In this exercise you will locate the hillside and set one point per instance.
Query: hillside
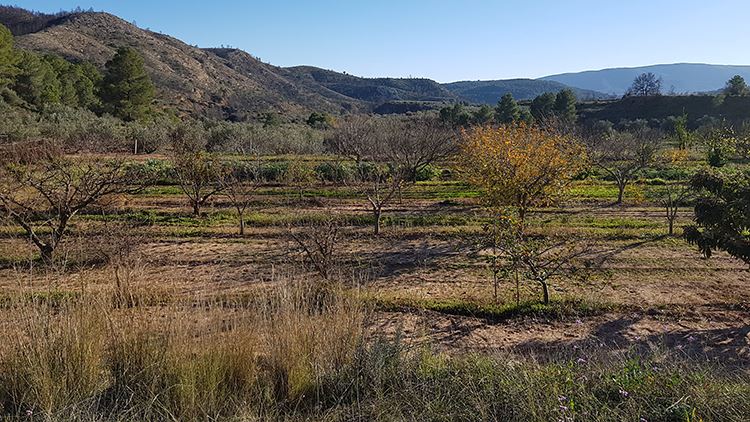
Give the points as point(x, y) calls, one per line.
point(211, 82)
point(188, 78)
point(678, 78)
point(372, 90)
point(489, 92)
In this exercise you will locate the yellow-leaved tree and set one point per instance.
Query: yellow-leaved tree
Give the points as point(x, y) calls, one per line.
point(519, 165)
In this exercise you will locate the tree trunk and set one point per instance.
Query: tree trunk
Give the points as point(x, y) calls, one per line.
point(47, 252)
point(545, 292)
point(378, 214)
point(620, 191)
point(671, 225)
point(196, 208)
point(242, 225)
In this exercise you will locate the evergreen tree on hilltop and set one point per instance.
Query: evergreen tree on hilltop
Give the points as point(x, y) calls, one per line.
point(127, 90)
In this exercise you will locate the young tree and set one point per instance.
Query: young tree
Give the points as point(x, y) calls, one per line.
point(645, 85)
point(623, 154)
point(676, 193)
point(721, 217)
point(519, 165)
point(736, 87)
point(507, 110)
point(127, 91)
point(238, 186)
point(682, 134)
point(543, 260)
point(719, 143)
point(543, 106)
point(42, 197)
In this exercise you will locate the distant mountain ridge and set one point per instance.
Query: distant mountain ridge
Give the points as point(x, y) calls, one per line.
point(489, 92)
point(232, 84)
point(680, 78)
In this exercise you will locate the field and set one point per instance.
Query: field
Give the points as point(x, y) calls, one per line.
point(654, 318)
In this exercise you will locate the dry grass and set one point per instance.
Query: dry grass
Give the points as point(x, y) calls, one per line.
point(87, 355)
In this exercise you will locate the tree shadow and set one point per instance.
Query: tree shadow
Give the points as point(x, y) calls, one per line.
point(730, 346)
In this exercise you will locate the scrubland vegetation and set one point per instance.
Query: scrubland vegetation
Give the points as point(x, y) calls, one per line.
point(472, 263)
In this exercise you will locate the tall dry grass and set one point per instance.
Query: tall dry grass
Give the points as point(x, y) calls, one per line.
point(87, 354)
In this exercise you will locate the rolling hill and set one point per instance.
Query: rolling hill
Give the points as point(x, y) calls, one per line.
point(211, 82)
point(489, 92)
point(681, 78)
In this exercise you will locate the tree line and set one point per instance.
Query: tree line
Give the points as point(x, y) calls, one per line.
point(35, 81)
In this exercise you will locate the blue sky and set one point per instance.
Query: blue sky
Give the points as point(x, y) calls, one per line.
point(450, 40)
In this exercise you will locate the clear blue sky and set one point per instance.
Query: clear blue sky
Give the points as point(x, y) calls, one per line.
point(450, 40)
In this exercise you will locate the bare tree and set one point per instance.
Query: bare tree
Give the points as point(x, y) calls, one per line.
point(623, 154)
point(543, 260)
point(198, 176)
point(353, 138)
point(238, 187)
point(645, 85)
point(43, 197)
point(675, 195)
point(318, 241)
point(417, 142)
point(380, 185)
point(389, 152)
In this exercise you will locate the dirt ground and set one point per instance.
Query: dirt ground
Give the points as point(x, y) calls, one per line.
point(665, 294)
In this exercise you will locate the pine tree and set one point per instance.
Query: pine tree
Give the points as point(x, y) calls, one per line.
point(8, 58)
point(37, 81)
point(127, 90)
point(565, 106)
point(542, 107)
point(736, 87)
point(507, 110)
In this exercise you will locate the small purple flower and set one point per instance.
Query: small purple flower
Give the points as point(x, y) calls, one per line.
point(580, 361)
point(29, 413)
point(564, 408)
point(579, 322)
point(691, 339)
point(624, 393)
point(561, 398)
point(642, 420)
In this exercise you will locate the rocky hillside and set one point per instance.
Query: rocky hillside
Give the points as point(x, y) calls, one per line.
point(212, 82)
